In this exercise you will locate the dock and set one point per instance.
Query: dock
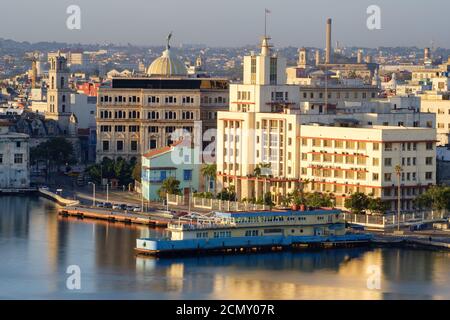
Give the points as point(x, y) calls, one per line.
point(412, 241)
point(80, 212)
point(57, 198)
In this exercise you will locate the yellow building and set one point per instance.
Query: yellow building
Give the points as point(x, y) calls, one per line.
point(343, 160)
point(138, 114)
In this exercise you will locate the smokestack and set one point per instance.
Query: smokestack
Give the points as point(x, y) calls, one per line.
point(360, 56)
point(328, 48)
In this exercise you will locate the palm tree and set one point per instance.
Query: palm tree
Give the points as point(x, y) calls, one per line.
point(303, 183)
point(398, 171)
point(169, 186)
point(209, 171)
point(258, 172)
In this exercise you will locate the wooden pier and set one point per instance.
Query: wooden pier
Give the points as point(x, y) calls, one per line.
point(114, 216)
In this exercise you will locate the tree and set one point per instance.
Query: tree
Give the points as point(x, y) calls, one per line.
point(54, 153)
point(263, 170)
point(357, 202)
point(378, 206)
point(209, 171)
point(267, 199)
point(436, 198)
point(317, 200)
point(169, 186)
point(227, 194)
point(137, 173)
point(118, 169)
point(297, 197)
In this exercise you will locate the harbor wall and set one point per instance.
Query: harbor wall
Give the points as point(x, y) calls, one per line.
point(57, 198)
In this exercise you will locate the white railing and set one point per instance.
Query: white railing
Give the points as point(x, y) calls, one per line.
point(214, 204)
point(389, 221)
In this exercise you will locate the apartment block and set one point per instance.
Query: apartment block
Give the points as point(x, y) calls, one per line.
point(345, 160)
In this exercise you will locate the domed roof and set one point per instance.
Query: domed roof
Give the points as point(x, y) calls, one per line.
point(167, 66)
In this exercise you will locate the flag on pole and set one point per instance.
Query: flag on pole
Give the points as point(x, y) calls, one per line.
point(267, 11)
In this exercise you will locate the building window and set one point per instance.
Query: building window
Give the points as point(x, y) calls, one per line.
point(388, 146)
point(18, 158)
point(388, 177)
point(429, 145)
point(388, 162)
point(119, 145)
point(18, 144)
point(133, 145)
point(152, 144)
point(105, 145)
point(187, 175)
point(428, 175)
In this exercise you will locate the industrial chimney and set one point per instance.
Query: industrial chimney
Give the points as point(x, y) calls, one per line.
point(328, 48)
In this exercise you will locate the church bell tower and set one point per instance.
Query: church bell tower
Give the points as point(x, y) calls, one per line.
point(58, 93)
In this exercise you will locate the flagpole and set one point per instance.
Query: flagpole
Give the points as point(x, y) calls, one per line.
point(265, 23)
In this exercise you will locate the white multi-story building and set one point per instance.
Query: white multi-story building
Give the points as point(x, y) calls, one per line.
point(438, 104)
point(343, 160)
point(260, 127)
point(266, 142)
point(14, 159)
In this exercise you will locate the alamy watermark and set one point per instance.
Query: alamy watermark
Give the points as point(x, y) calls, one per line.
point(374, 20)
point(374, 279)
point(73, 21)
point(73, 281)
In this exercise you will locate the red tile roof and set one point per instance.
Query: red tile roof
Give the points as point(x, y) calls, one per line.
point(162, 150)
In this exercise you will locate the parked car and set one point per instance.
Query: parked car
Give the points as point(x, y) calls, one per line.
point(101, 204)
point(181, 214)
point(108, 205)
point(116, 206)
point(137, 209)
point(123, 206)
point(130, 208)
point(45, 188)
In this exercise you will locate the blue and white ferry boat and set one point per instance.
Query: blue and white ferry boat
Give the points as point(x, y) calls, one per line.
point(253, 231)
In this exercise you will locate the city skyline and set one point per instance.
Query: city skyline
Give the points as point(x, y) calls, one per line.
point(235, 24)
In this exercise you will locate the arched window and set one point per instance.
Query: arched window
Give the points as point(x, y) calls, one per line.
point(63, 108)
point(53, 82)
point(62, 82)
point(63, 98)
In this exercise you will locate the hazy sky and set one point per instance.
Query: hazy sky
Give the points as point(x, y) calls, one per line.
point(228, 22)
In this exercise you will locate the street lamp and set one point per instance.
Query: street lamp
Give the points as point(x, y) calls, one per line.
point(107, 191)
point(398, 170)
point(93, 193)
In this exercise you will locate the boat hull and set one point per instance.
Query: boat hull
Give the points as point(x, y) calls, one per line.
point(246, 244)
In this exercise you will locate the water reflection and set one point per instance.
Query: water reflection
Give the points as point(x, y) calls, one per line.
point(37, 246)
